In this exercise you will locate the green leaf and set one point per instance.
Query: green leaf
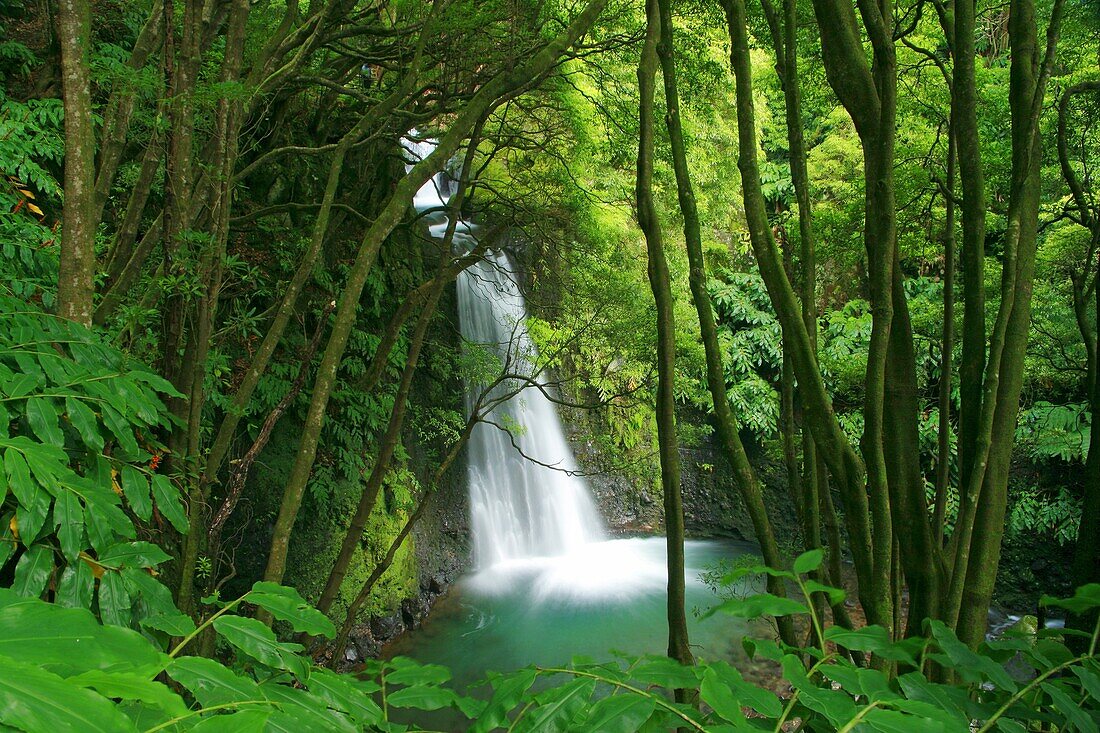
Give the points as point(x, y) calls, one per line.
point(755, 606)
point(19, 477)
point(759, 699)
point(836, 706)
point(808, 561)
point(77, 586)
point(8, 543)
point(212, 683)
point(32, 572)
point(720, 697)
point(973, 666)
point(259, 642)
point(952, 700)
point(69, 641)
point(169, 503)
point(665, 672)
point(172, 624)
point(114, 599)
point(346, 693)
point(248, 720)
point(835, 595)
point(624, 713)
point(1090, 681)
point(286, 605)
point(559, 707)
point(33, 699)
point(68, 517)
point(85, 422)
point(123, 432)
point(134, 555)
point(1084, 599)
point(507, 692)
point(421, 697)
point(299, 710)
point(127, 686)
point(43, 419)
point(875, 640)
point(136, 488)
point(1071, 709)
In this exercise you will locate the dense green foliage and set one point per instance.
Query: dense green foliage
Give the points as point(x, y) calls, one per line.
point(230, 365)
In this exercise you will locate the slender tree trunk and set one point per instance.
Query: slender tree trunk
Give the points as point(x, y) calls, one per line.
point(947, 347)
point(1086, 559)
point(964, 122)
point(977, 558)
point(659, 281)
point(225, 144)
point(747, 483)
point(120, 109)
point(844, 465)
point(76, 269)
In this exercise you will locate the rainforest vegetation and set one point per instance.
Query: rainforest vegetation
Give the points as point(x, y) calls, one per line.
point(854, 246)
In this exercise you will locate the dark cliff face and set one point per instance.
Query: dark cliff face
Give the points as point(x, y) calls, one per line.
point(629, 494)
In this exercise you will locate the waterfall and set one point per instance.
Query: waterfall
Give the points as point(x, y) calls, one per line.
point(526, 500)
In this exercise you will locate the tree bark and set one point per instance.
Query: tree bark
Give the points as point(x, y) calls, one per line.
point(76, 269)
point(747, 483)
point(659, 282)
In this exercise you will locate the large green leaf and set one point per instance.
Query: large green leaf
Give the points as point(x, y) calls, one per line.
point(348, 694)
point(302, 711)
point(69, 641)
point(168, 502)
point(286, 605)
point(32, 572)
point(507, 692)
point(808, 561)
point(133, 555)
point(43, 419)
point(114, 599)
point(33, 699)
point(77, 586)
point(557, 708)
point(68, 518)
point(665, 672)
point(1085, 598)
point(760, 604)
point(136, 488)
point(421, 697)
point(128, 686)
point(257, 640)
point(875, 640)
point(212, 683)
point(85, 422)
point(623, 713)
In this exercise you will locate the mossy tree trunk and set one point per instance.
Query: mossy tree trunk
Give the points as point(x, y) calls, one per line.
point(660, 283)
point(747, 483)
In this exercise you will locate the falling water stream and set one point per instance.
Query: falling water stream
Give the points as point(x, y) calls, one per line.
point(548, 583)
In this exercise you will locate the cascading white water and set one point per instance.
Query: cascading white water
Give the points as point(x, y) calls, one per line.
point(526, 500)
point(533, 520)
